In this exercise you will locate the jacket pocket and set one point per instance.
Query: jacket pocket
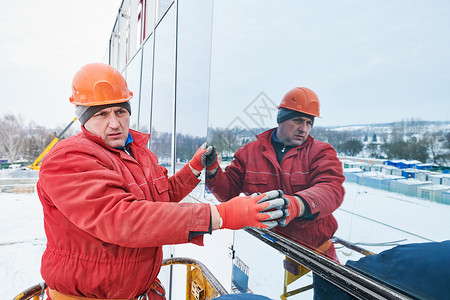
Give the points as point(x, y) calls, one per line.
point(299, 181)
point(257, 178)
point(161, 184)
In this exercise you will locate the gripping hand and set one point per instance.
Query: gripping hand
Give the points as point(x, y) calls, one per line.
point(291, 209)
point(259, 211)
point(206, 156)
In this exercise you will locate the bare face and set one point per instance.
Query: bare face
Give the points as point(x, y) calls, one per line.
point(294, 132)
point(111, 124)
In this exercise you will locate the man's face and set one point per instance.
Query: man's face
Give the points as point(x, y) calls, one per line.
point(294, 132)
point(111, 124)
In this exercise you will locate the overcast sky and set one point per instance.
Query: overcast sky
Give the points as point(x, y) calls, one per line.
point(369, 62)
point(43, 43)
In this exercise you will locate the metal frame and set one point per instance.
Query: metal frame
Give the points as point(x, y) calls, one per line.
point(349, 280)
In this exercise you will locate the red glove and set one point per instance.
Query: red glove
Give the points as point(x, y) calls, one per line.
point(291, 210)
point(206, 156)
point(251, 211)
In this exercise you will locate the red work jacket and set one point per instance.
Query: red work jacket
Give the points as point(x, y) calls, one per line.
point(311, 171)
point(107, 214)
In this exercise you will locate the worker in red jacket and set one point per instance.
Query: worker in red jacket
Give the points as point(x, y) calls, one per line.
point(109, 207)
point(287, 158)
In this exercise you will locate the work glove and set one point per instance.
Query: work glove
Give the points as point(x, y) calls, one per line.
point(261, 211)
point(211, 161)
point(291, 209)
point(206, 156)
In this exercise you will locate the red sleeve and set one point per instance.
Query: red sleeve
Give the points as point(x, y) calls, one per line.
point(326, 192)
point(228, 184)
point(97, 200)
point(182, 183)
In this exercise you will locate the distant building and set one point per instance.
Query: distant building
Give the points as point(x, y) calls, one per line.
point(402, 163)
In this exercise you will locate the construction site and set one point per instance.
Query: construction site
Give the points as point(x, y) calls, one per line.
point(210, 156)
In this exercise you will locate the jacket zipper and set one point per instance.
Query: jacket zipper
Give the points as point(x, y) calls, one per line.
point(126, 151)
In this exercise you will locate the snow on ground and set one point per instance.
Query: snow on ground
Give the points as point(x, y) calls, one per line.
point(366, 216)
point(22, 242)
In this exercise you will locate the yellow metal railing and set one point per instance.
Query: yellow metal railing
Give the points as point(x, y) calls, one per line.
point(201, 284)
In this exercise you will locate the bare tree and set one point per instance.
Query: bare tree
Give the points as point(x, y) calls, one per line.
point(187, 145)
point(373, 149)
point(412, 149)
point(36, 140)
point(397, 132)
point(21, 141)
point(160, 144)
point(227, 141)
point(438, 148)
point(12, 135)
point(350, 147)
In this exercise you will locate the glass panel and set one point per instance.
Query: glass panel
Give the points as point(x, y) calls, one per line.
point(135, 28)
point(140, 26)
point(360, 60)
point(163, 6)
point(114, 47)
point(124, 38)
point(133, 77)
point(162, 111)
point(147, 84)
point(194, 47)
point(149, 17)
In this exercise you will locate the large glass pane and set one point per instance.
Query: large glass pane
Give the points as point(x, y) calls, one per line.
point(147, 85)
point(149, 17)
point(133, 77)
point(162, 110)
point(193, 66)
point(368, 63)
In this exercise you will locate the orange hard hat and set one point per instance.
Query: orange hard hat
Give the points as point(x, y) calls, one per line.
point(303, 100)
point(99, 84)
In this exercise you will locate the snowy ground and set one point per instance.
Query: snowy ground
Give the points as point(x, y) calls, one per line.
point(369, 216)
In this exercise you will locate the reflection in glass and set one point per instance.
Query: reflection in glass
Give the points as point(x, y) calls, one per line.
point(123, 22)
point(114, 47)
point(149, 17)
point(229, 132)
point(163, 6)
point(371, 56)
point(133, 77)
point(162, 109)
point(193, 65)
